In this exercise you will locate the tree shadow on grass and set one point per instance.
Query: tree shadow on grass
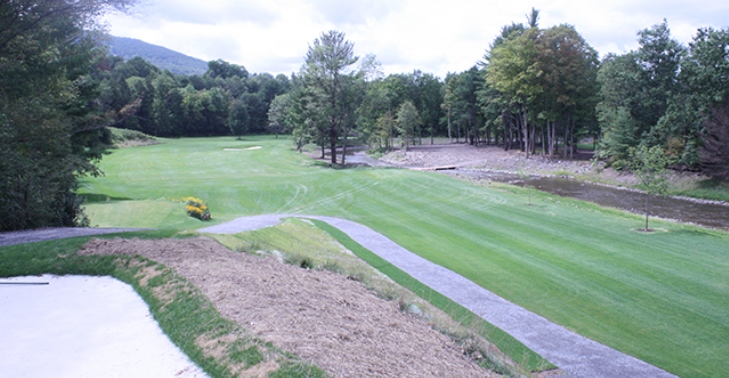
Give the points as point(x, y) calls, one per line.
point(98, 197)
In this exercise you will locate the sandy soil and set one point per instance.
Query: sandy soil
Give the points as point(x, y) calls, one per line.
point(335, 323)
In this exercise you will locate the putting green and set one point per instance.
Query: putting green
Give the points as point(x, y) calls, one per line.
point(661, 297)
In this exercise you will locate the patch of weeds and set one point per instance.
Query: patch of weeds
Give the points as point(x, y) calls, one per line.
point(562, 173)
point(157, 281)
point(333, 267)
point(306, 263)
point(298, 370)
point(375, 154)
point(241, 353)
point(412, 309)
point(474, 351)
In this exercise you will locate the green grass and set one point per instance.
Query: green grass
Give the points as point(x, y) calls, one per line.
point(184, 314)
point(506, 343)
point(711, 189)
point(661, 297)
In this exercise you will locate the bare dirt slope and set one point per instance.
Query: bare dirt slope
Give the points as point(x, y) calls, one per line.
point(325, 318)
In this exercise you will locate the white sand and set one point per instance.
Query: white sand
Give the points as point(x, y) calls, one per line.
point(80, 326)
point(243, 149)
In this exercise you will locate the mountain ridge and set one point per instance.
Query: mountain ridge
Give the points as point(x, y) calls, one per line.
point(162, 57)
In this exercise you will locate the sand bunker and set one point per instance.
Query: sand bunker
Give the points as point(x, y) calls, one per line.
point(80, 326)
point(243, 149)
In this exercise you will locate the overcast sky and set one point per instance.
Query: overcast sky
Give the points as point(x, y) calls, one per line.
point(433, 36)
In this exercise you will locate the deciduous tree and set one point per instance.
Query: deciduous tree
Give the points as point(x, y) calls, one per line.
point(649, 165)
point(408, 122)
point(326, 73)
point(52, 128)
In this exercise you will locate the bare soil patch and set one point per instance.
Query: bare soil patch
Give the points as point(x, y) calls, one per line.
point(325, 318)
point(486, 157)
point(580, 166)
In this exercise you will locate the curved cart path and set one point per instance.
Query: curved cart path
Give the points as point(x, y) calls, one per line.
point(574, 354)
point(30, 236)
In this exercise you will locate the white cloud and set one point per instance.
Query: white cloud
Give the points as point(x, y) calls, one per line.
point(432, 36)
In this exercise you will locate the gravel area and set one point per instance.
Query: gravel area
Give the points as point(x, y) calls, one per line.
point(492, 157)
point(464, 156)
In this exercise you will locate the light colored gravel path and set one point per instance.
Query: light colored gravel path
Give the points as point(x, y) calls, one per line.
point(29, 236)
point(576, 355)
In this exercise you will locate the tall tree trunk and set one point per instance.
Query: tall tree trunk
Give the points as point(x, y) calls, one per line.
point(573, 142)
point(533, 138)
point(647, 198)
point(450, 138)
point(505, 125)
point(344, 147)
point(333, 144)
point(552, 139)
point(525, 131)
point(566, 133)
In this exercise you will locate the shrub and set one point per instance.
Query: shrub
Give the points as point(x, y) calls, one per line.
point(196, 208)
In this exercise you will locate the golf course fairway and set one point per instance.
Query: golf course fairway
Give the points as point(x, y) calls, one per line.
point(662, 297)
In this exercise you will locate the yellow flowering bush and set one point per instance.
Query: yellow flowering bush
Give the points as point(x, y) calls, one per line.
point(196, 208)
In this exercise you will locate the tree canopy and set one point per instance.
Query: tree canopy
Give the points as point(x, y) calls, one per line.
point(51, 125)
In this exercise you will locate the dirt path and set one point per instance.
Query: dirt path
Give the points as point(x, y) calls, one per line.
point(574, 354)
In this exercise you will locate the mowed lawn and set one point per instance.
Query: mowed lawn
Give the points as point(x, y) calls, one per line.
point(661, 297)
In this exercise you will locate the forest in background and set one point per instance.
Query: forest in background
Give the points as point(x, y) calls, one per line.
point(540, 90)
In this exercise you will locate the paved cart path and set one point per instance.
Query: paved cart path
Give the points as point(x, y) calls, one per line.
point(30, 236)
point(576, 355)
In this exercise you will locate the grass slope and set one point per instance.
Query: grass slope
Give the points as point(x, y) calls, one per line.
point(661, 297)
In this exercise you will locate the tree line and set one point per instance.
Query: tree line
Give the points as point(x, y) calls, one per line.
point(226, 100)
point(52, 129)
point(540, 90)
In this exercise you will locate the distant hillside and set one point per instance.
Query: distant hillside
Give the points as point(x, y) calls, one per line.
point(161, 57)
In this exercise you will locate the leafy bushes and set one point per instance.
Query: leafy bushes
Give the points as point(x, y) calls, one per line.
point(196, 208)
point(127, 138)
